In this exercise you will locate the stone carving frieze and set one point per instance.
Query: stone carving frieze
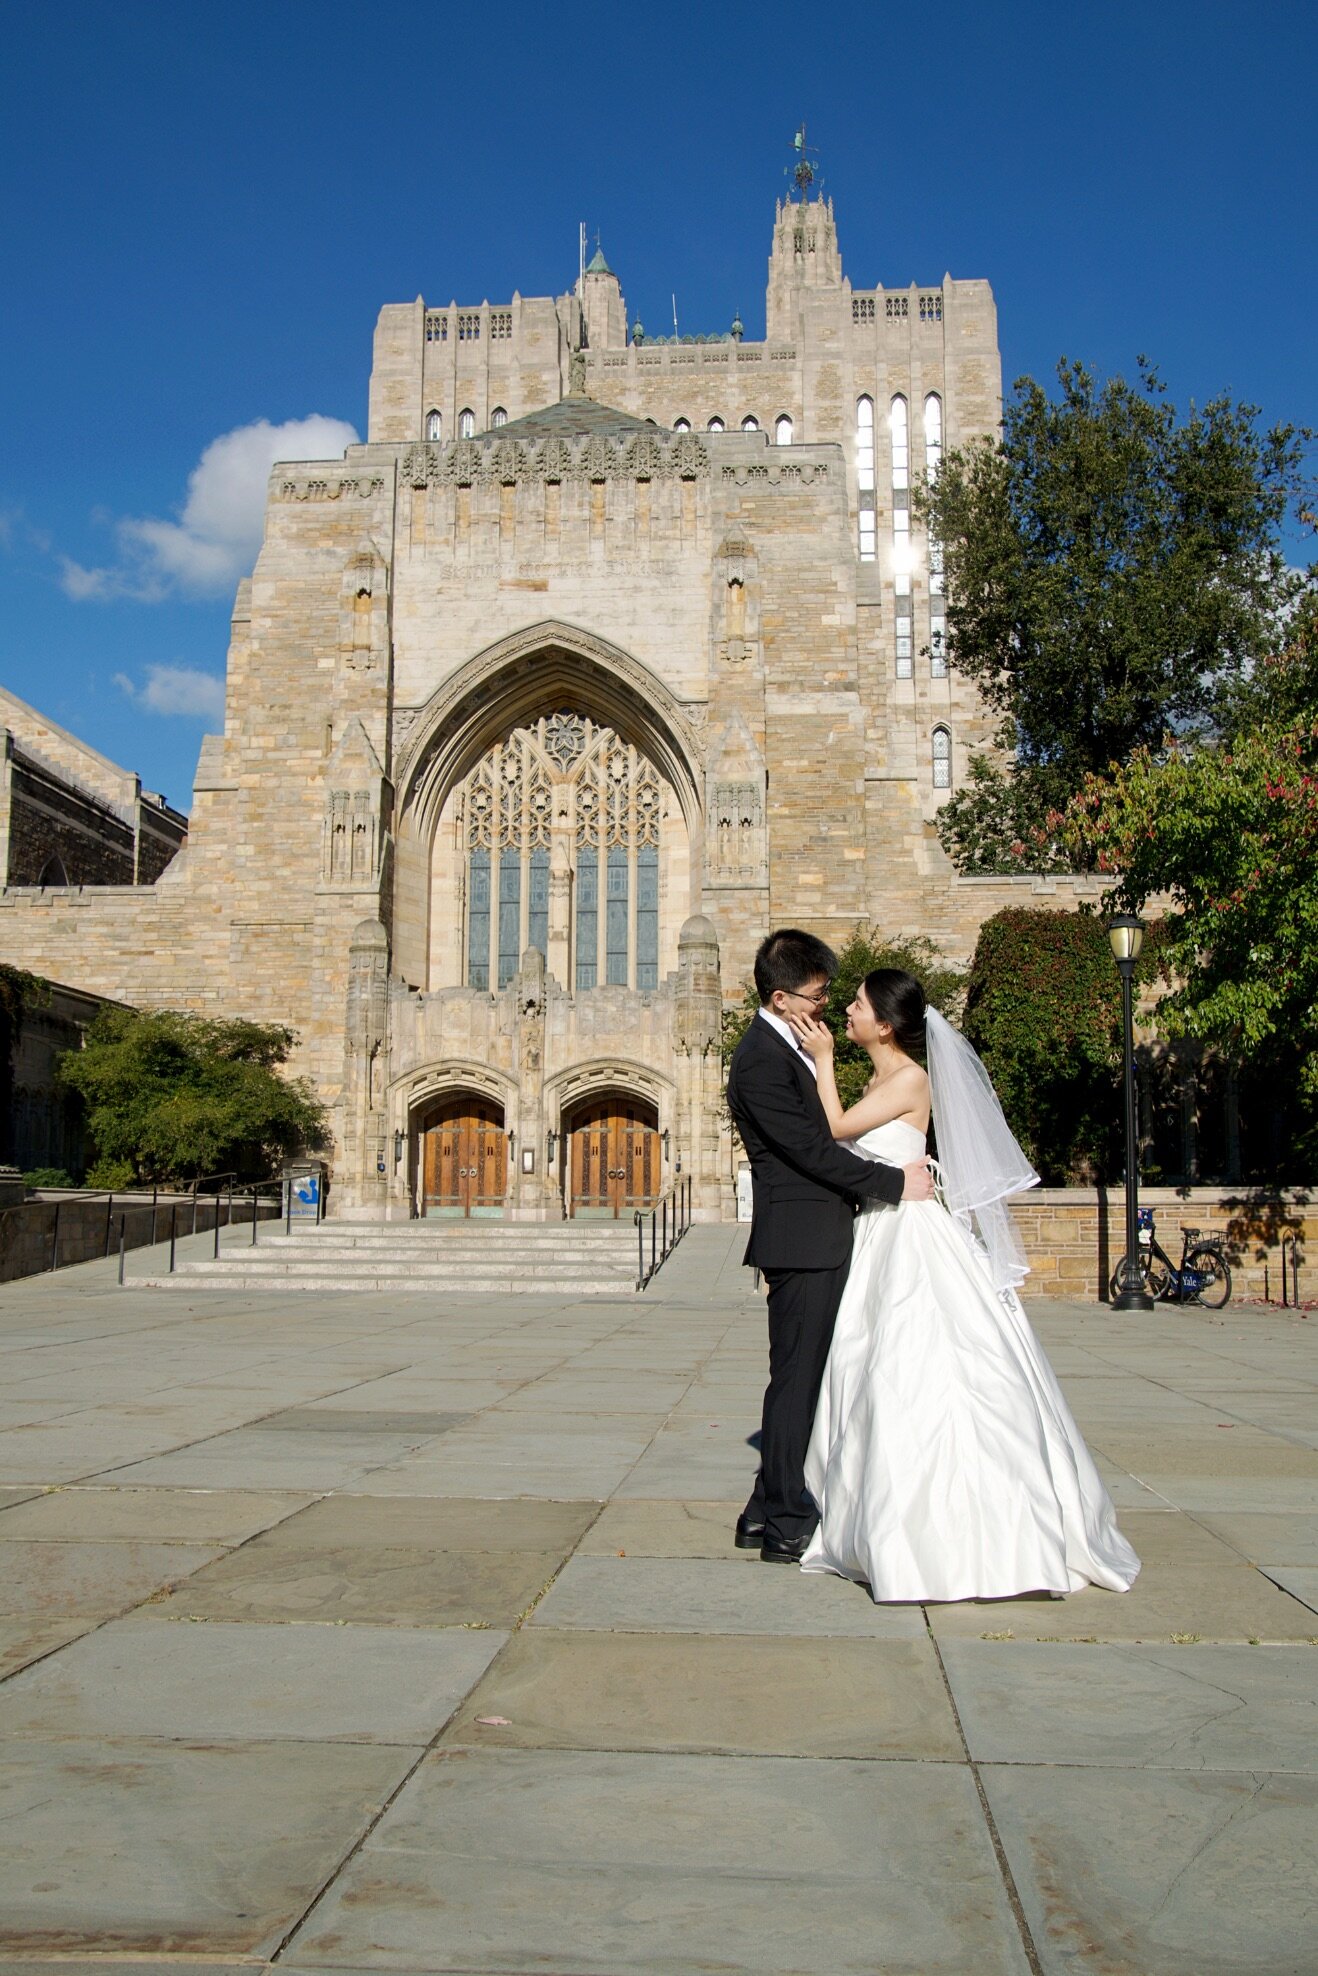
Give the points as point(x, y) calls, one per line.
point(345, 488)
point(777, 473)
point(493, 460)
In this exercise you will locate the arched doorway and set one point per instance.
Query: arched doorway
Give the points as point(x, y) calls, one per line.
point(463, 1163)
point(613, 1156)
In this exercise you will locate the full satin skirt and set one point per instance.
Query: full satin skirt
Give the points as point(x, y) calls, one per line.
point(944, 1459)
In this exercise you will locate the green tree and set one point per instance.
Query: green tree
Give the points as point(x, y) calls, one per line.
point(1230, 830)
point(172, 1096)
point(1043, 1009)
point(860, 955)
point(1111, 568)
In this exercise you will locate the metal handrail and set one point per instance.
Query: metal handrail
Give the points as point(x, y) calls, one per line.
point(669, 1219)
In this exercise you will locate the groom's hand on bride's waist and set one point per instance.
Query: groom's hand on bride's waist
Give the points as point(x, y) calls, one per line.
point(919, 1181)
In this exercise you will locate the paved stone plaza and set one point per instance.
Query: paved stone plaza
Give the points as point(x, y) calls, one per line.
point(370, 1633)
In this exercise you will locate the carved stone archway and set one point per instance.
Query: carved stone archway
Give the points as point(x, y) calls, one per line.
point(532, 673)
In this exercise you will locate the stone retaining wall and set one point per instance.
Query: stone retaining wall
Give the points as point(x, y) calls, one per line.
point(27, 1233)
point(1075, 1236)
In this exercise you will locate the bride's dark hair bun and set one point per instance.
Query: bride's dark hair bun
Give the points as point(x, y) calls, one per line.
point(898, 998)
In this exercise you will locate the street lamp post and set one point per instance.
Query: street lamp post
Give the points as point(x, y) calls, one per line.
point(1126, 936)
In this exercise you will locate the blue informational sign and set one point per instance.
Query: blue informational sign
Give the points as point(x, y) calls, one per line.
point(306, 1197)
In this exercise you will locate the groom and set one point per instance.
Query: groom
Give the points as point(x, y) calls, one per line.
point(805, 1189)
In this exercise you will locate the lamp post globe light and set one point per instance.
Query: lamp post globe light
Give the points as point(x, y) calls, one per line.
point(1126, 936)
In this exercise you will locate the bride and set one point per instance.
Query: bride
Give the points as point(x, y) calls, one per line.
point(944, 1459)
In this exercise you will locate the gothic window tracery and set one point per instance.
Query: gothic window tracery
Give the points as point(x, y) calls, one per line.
point(466, 423)
point(434, 427)
point(563, 782)
point(942, 758)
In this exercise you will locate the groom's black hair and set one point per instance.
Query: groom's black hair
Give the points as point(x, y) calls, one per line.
point(788, 959)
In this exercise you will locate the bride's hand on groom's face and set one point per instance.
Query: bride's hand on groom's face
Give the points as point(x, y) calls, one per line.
point(815, 1038)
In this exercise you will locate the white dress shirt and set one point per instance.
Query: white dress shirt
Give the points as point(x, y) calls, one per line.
point(788, 1035)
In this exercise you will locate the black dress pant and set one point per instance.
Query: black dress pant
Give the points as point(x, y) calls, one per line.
point(803, 1305)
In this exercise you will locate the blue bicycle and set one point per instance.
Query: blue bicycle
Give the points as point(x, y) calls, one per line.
point(1204, 1275)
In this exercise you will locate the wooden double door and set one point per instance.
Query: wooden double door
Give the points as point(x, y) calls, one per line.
point(464, 1158)
point(614, 1158)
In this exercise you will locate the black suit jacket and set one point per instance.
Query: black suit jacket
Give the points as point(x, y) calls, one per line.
point(805, 1185)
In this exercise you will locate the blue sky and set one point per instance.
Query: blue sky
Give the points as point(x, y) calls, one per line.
point(204, 209)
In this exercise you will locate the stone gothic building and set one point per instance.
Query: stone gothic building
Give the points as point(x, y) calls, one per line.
point(600, 656)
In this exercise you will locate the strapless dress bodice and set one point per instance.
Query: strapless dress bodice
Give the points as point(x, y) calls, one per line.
point(896, 1143)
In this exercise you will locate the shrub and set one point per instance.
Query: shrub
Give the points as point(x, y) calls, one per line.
point(48, 1176)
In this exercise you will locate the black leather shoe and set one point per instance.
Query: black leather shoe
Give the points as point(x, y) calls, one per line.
point(784, 1550)
point(750, 1534)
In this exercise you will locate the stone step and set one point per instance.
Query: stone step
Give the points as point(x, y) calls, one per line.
point(411, 1282)
point(435, 1258)
point(461, 1236)
point(408, 1253)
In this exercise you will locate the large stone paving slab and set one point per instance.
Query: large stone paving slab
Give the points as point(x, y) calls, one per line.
point(452, 1524)
point(779, 1697)
point(39, 1578)
point(594, 1864)
point(379, 1587)
point(1161, 1873)
point(1178, 1708)
point(138, 1847)
point(1264, 1537)
point(23, 1640)
point(1301, 1581)
point(716, 1595)
point(159, 1515)
point(1232, 1601)
point(666, 1529)
point(241, 1683)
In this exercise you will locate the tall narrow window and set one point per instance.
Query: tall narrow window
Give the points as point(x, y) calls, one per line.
point(901, 552)
point(434, 427)
point(716, 425)
point(899, 426)
point(782, 430)
point(933, 434)
point(588, 905)
point(942, 756)
point(867, 525)
point(498, 416)
point(466, 424)
point(537, 923)
point(510, 914)
point(750, 423)
point(902, 623)
point(899, 433)
point(478, 918)
point(865, 443)
point(647, 917)
point(937, 641)
point(615, 923)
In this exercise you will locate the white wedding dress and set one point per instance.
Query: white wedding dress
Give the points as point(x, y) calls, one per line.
point(944, 1459)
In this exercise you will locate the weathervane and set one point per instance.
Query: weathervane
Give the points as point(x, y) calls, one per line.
point(802, 172)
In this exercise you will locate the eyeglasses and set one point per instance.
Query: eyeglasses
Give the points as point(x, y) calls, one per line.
point(816, 1001)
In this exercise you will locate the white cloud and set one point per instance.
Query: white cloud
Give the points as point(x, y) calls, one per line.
point(182, 690)
point(218, 534)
